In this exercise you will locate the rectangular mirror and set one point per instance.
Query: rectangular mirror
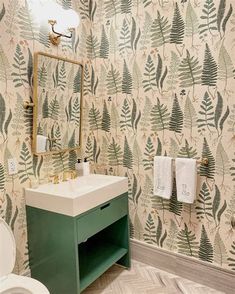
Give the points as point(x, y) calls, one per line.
point(58, 85)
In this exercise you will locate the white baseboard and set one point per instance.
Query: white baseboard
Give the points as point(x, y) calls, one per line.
point(184, 266)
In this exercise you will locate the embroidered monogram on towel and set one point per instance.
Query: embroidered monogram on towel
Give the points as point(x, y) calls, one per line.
point(163, 176)
point(186, 179)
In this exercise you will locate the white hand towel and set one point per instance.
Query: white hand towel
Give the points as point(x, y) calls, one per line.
point(163, 176)
point(41, 143)
point(186, 179)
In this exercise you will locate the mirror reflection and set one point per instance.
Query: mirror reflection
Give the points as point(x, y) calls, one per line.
point(58, 99)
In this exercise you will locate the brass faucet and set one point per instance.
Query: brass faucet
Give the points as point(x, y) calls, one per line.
point(65, 175)
point(55, 179)
point(73, 174)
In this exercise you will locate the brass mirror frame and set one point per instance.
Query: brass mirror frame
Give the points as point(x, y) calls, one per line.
point(35, 103)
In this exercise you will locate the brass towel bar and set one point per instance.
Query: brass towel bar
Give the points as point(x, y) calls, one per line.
point(202, 161)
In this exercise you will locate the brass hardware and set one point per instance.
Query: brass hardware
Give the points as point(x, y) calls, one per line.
point(55, 179)
point(55, 40)
point(73, 174)
point(65, 174)
point(35, 105)
point(203, 161)
point(27, 104)
point(52, 22)
point(55, 36)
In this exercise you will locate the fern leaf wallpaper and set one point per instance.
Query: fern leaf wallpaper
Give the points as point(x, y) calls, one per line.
point(158, 80)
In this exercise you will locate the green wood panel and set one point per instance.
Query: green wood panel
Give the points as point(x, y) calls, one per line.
point(55, 256)
point(118, 234)
point(99, 218)
point(53, 250)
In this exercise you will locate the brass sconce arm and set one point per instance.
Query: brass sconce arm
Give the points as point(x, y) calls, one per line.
point(55, 37)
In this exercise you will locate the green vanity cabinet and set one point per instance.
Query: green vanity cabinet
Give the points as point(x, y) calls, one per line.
point(68, 253)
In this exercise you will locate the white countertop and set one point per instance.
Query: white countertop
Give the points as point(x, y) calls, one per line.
point(75, 197)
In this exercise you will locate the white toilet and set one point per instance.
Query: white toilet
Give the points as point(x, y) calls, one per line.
point(11, 283)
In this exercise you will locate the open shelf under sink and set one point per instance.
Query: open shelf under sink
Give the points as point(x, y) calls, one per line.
point(96, 257)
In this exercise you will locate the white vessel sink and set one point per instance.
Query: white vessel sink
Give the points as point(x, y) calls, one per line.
point(76, 196)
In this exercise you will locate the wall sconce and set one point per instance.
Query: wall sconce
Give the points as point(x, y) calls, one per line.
point(63, 21)
point(55, 36)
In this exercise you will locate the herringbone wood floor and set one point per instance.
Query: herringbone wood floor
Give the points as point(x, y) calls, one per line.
point(144, 279)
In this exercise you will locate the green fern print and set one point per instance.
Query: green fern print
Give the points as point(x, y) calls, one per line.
point(158, 80)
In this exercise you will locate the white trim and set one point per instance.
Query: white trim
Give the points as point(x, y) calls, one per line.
point(184, 266)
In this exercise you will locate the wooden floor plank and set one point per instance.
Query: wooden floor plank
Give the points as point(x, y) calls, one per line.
point(144, 279)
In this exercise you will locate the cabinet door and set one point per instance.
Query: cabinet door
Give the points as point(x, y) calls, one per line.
point(53, 250)
point(101, 217)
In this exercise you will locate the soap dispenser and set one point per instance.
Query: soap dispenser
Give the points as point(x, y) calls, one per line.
point(86, 167)
point(79, 167)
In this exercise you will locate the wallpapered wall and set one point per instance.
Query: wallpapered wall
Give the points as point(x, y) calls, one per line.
point(20, 37)
point(159, 80)
point(163, 84)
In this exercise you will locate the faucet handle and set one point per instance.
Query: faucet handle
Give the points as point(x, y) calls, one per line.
point(73, 174)
point(55, 179)
point(65, 175)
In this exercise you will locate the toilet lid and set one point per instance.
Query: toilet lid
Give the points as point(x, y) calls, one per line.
point(7, 249)
point(14, 284)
